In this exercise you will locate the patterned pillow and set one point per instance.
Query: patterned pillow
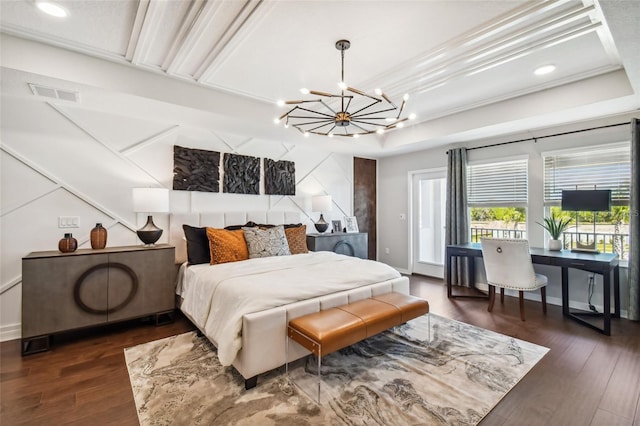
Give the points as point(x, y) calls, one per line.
point(227, 246)
point(266, 242)
point(297, 239)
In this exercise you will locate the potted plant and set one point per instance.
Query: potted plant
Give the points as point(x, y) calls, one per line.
point(555, 226)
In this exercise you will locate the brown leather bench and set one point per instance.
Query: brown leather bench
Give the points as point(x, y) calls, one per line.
point(336, 328)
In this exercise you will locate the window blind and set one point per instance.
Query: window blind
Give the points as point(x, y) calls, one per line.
point(498, 184)
point(606, 168)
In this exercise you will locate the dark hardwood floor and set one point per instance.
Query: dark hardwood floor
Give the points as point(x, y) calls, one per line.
point(585, 379)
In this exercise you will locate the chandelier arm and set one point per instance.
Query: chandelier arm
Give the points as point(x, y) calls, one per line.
point(368, 123)
point(301, 101)
point(366, 114)
point(388, 100)
point(401, 108)
point(325, 94)
point(348, 103)
point(359, 127)
point(361, 93)
point(328, 107)
point(306, 123)
point(287, 113)
point(316, 112)
point(318, 127)
point(331, 129)
point(362, 109)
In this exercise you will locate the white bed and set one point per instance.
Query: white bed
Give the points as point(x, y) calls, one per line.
point(250, 332)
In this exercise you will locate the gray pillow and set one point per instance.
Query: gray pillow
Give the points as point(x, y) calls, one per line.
point(266, 242)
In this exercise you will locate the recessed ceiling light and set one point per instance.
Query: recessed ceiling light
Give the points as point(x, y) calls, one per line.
point(545, 69)
point(52, 9)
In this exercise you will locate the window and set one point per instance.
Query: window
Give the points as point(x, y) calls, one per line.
point(497, 196)
point(606, 167)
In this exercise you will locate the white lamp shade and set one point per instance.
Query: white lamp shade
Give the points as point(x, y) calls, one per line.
point(321, 203)
point(150, 200)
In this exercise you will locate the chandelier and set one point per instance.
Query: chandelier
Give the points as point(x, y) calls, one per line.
point(351, 113)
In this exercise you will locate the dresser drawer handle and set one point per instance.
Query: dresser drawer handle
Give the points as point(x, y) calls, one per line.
point(577, 264)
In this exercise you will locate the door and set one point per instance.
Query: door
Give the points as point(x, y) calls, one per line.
point(428, 212)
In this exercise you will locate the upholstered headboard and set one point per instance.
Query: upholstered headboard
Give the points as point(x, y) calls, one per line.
point(220, 220)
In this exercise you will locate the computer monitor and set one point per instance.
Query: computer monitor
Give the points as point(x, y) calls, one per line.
point(586, 200)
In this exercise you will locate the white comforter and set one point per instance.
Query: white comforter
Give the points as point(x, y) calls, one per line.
point(217, 297)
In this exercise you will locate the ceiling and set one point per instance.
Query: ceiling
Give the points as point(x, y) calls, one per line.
point(467, 65)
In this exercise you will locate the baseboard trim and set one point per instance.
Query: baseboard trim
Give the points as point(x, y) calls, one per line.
point(10, 332)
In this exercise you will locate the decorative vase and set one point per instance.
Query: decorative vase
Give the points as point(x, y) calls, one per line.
point(68, 244)
point(555, 245)
point(98, 237)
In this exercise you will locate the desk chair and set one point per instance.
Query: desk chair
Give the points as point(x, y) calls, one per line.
point(508, 265)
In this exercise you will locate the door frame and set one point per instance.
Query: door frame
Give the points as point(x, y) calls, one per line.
point(410, 216)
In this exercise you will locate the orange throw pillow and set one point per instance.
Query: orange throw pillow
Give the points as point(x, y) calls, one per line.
point(297, 239)
point(227, 246)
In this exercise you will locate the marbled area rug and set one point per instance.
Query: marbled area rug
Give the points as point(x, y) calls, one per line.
point(394, 378)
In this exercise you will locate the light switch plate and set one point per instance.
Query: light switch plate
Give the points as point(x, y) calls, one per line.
point(68, 222)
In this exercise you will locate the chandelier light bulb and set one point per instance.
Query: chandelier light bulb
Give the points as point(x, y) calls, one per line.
point(280, 102)
point(304, 91)
point(330, 135)
point(276, 121)
point(356, 136)
point(400, 125)
point(342, 85)
point(378, 91)
point(406, 97)
point(380, 131)
point(306, 134)
point(412, 116)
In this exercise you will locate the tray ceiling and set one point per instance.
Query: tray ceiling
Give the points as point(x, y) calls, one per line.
point(450, 56)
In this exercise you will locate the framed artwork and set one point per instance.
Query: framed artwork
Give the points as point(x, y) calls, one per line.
point(195, 169)
point(279, 177)
point(336, 226)
point(351, 224)
point(241, 174)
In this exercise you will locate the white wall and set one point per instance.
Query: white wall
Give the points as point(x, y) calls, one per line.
point(393, 190)
point(60, 159)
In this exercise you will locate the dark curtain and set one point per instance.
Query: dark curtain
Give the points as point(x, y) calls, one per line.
point(634, 224)
point(457, 217)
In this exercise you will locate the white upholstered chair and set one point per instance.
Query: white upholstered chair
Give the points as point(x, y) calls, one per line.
point(507, 263)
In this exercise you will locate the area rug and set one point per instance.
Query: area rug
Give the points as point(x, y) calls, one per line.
point(395, 378)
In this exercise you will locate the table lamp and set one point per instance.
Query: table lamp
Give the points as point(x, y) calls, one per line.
point(150, 200)
point(321, 203)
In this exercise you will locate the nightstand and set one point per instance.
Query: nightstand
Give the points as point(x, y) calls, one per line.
point(67, 291)
point(351, 244)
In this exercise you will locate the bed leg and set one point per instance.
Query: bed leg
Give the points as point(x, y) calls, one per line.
point(251, 383)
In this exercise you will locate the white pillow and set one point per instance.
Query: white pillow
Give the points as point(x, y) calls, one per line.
point(266, 242)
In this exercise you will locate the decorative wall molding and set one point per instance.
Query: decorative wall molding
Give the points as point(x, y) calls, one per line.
point(60, 184)
point(85, 128)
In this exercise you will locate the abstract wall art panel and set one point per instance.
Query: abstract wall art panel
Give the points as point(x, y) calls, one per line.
point(241, 174)
point(196, 170)
point(279, 177)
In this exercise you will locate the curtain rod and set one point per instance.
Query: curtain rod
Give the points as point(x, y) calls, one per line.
point(535, 139)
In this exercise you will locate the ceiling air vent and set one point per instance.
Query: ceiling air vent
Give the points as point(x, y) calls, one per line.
point(50, 92)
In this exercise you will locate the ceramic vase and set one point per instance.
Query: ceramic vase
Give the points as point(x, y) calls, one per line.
point(68, 244)
point(98, 237)
point(555, 245)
